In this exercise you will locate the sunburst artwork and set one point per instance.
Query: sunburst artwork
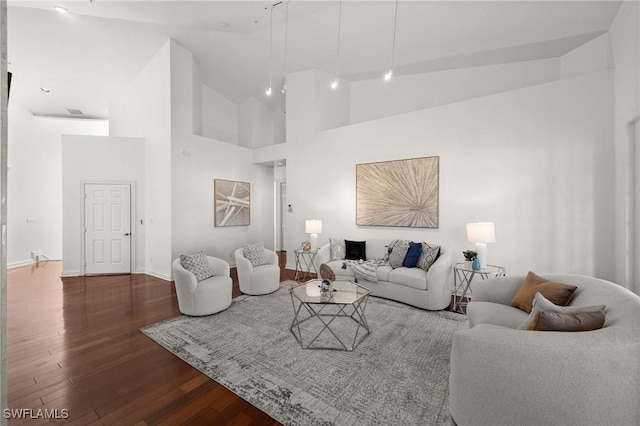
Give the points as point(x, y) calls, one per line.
point(401, 193)
point(231, 203)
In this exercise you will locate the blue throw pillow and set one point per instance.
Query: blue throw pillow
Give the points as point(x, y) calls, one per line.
point(413, 254)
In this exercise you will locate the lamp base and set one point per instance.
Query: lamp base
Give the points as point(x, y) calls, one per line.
point(314, 241)
point(481, 249)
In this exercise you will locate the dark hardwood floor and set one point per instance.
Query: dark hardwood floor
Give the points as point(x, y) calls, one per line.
point(75, 344)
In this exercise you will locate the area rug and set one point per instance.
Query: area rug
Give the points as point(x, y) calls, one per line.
point(399, 374)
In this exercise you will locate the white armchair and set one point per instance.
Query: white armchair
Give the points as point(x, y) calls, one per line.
point(261, 279)
point(205, 297)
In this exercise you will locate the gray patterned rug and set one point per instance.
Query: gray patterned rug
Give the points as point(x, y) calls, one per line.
point(399, 374)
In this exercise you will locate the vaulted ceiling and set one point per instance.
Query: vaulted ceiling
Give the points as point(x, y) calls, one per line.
point(87, 56)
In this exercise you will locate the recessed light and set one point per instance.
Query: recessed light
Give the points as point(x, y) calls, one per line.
point(61, 9)
point(45, 90)
point(225, 25)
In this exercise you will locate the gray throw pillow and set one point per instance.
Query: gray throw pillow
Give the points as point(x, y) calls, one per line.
point(397, 252)
point(542, 304)
point(428, 256)
point(197, 264)
point(255, 254)
point(336, 249)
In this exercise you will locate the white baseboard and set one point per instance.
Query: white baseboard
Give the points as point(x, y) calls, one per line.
point(20, 263)
point(158, 275)
point(68, 274)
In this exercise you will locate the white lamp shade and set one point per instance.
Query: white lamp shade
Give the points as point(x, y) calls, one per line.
point(481, 232)
point(313, 226)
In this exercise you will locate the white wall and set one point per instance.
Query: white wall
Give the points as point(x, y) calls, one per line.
point(625, 45)
point(537, 161)
point(144, 110)
point(34, 183)
point(219, 117)
point(100, 159)
point(590, 57)
point(256, 124)
point(372, 99)
point(196, 162)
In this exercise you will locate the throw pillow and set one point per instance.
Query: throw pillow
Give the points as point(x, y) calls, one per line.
point(336, 249)
point(567, 321)
point(399, 249)
point(355, 250)
point(412, 256)
point(541, 304)
point(428, 256)
point(255, 254)
point(197, 264)
point(327, 273)
point(557, 293)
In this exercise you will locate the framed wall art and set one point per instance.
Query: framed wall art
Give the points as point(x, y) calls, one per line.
point(400, 193)
point(232, 206)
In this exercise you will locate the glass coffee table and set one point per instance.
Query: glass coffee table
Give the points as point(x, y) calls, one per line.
point(331, 319)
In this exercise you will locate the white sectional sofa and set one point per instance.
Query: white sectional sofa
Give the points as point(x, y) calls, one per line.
point(424, 289)
point(504, 376)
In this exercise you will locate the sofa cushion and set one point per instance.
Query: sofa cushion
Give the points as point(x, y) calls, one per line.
point(541, 304)
point(494, 313)
point(336, 249)
point(428, 256)
point(254, 253)
point(197, 264)
point(383, 272)
point(410, 277)
point(558, 293)
point(412, 256)
point(355, 250)
point(567, 321)
point(336, 267)
point(397, 252)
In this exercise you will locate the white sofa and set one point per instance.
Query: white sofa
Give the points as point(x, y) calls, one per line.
point(504, 376)
point(413, 286)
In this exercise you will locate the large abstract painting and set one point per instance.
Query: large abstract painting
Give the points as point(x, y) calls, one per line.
point(398, 193)
point(232, 203)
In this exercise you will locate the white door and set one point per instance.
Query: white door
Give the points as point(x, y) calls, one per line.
point(107, 228)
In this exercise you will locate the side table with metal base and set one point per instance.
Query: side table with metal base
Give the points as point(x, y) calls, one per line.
point(462, 277)
point(305, 264)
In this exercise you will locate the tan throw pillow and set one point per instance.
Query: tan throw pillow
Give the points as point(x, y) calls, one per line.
point(556, 293)
point(567, 321)
point(542, 304)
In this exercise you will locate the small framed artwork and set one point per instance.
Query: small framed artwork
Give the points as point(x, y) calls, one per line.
point(232, 203)
point(400, 193)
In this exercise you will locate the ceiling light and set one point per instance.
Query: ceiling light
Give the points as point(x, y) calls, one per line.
point(225, 25)
point(45, 90)
point(334, 84)
point(61, 9)
point(388, 75)
point(268, 91)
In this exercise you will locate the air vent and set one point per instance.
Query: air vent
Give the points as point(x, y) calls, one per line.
point(74, 111)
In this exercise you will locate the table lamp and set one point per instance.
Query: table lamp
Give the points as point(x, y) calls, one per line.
point(481, 233)
point(313, 227)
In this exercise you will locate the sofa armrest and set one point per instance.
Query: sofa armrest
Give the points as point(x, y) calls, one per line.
point(439, 281)
point(323, 256)
point(502, 376)
point(497, 290)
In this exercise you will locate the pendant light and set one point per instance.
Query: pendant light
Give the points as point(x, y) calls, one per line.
point(389, 73)
point(269, 91)
point(286, 39)
point(334, 84)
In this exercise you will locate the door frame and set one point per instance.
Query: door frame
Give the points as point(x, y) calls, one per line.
point(132, 213)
